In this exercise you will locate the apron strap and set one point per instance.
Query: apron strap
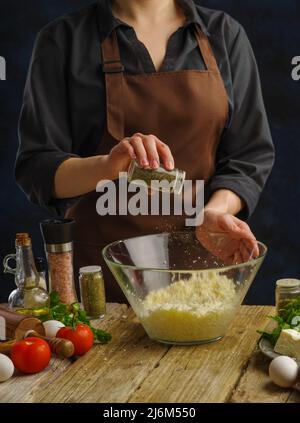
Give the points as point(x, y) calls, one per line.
point(206, 50)
point(113, 69)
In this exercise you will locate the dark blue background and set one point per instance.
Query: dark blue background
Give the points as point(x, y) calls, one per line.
point(273, 28)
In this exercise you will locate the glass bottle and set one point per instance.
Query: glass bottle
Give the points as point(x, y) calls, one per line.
point(41, 268)
point(29, 298)
point(58, 239)
point(92, 291)
point(157, 179)
point(286, 291)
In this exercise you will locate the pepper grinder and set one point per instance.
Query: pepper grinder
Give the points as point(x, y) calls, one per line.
point(58, 240)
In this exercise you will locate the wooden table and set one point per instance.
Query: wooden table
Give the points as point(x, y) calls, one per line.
point(132, 368)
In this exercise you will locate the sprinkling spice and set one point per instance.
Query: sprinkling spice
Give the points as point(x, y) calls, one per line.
point(92, 291)
point(157, 179)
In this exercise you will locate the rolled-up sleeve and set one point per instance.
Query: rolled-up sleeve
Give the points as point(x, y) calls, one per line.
point(44, 131)
point(245, 156)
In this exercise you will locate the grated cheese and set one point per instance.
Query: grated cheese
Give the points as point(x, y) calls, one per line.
point(198, 309)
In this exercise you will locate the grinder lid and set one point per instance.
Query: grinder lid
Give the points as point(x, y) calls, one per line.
point(57, 231)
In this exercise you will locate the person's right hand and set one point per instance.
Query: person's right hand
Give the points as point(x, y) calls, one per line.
point(147, 150)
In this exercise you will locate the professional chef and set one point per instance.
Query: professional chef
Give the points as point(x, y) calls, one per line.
point(159, 81)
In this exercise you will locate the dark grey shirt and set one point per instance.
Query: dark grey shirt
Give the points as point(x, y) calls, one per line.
point(63, 113)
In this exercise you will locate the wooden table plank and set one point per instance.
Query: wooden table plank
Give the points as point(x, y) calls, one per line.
point(205, 373)
point(255, 385)
point(132, 368)
point(109, 373)
point(295, 396)
point(19, 386)
point(22, 388)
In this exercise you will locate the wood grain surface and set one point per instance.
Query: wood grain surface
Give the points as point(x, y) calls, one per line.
point(132, 368)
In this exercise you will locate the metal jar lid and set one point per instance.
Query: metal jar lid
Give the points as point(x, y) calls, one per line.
point(288, 283)
point(89, 270)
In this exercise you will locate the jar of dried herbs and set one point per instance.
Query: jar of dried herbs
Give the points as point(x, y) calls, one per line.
point(158, 179)
point(287, 290)
point(92, 291)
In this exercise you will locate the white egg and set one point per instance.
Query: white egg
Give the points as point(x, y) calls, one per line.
point(284, 371)
point(52, 327)
point(6, 368)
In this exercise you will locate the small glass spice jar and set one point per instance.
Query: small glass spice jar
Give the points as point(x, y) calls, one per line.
point(286, 291)
point(158, 179)
point(92, 291)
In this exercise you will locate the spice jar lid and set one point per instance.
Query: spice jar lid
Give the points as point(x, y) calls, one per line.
point(57, 231)
point(288, 283)
point(90, 269)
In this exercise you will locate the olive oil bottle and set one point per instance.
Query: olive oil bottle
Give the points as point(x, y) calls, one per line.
point(29, 298)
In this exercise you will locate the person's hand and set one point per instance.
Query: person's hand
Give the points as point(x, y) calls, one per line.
point(147, 150)
point(227, 237)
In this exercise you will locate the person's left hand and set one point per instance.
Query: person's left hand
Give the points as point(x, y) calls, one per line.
point(227, 237)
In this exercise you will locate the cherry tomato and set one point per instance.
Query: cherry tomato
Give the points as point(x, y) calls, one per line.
point(82, 337)
point(31, 355)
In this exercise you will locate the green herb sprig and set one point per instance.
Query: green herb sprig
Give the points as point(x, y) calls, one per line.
point(71, 315)
point(284, 321)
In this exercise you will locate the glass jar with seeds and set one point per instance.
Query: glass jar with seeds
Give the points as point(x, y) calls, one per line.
point(158, 179)
point(92, 291)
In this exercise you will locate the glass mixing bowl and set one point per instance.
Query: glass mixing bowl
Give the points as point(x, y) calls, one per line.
point(181, 293)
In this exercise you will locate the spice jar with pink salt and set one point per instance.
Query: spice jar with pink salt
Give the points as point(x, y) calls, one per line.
point(58, 239)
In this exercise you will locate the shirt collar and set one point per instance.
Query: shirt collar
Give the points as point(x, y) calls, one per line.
point(108, 22)
point(192, 14)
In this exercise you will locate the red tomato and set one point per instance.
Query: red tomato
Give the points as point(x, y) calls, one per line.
point(31, 355)
point(82, 337)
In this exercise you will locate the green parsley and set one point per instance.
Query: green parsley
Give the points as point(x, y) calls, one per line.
point(286, 320)
point(71, 315)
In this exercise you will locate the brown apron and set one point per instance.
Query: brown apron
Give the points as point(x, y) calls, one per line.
point(185, 109)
